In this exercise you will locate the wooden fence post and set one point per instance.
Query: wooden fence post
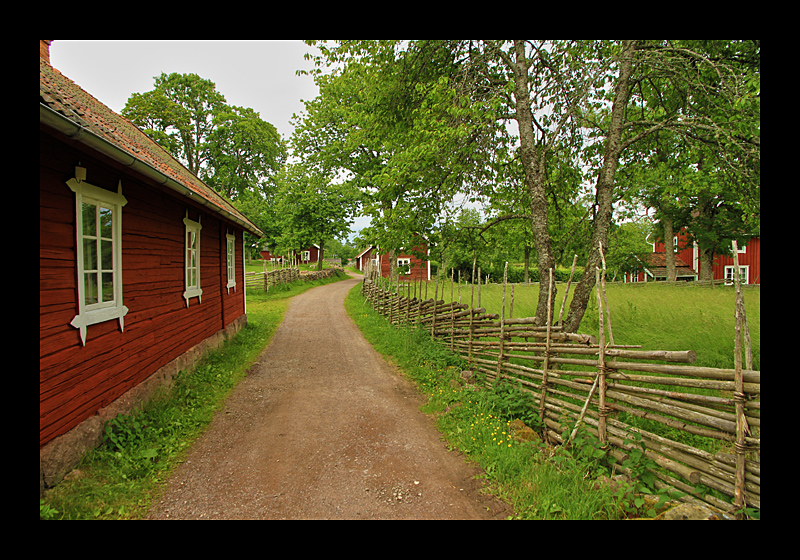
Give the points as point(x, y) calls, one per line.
point(435, 298)
point(566, 291)
point(546, 348)
point(502, 327)
point(740, 397)
point(471, 312)
point(452, 310)
point(601, 365)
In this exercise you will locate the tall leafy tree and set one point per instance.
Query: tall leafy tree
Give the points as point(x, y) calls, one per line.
point(312, 209)
point(178, 113)
point(389, 120)
point(244, 153)
point(231, 148)
point(701, 168)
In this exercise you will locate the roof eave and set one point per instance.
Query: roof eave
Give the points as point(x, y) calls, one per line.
point(75, 131)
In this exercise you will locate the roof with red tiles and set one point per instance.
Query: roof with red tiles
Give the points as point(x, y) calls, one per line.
point(69, 100)
point(657, 264)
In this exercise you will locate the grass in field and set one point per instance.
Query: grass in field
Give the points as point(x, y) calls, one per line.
point(657, 316)
point(120, 479)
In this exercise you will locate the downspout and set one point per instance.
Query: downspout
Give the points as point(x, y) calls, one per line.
point(244, 274)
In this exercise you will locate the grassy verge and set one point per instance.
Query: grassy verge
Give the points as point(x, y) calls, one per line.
point(122, 478)
point(536, 482)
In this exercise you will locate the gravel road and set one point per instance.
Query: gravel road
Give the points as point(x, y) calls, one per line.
point(324, 428)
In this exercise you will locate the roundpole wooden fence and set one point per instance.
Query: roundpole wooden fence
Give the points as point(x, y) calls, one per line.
point(611, 390)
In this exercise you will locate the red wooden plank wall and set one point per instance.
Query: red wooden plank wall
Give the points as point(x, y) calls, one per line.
point(76, 381)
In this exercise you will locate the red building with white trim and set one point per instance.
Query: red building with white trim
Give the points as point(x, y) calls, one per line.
point(141, 269)
point(687, 262)
point(412, 267)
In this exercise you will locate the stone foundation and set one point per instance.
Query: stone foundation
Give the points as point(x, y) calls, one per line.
point(59, 456)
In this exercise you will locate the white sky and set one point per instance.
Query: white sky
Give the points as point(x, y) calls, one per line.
point(260, 75)
point(256, 74)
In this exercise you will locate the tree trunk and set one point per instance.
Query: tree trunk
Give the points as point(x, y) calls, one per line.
point(604, 187)
point(532, 158)
point(669, 249)
point(705, 215)
point(527, 263)
point(705, 262)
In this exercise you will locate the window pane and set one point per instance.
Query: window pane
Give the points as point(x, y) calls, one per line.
point(106, 221)
point(108, 286)
point(90, 288)
point(106, 251)
point(89, 254)
point(89, 219)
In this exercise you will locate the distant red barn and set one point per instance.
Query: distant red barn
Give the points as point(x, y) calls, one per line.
point(141, 268)
point(412, 268)
point(687, 262)
point(309, 255)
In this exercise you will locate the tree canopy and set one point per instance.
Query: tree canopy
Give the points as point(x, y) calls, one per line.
point(544, 132)
point(230, 148)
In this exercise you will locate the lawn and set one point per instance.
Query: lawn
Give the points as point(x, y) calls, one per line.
point(657, 316)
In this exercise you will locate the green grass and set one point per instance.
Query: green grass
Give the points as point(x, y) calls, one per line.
point(535, 482)
point(122, 478)
point(658, 316)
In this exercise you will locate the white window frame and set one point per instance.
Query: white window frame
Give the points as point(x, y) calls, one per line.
point(100, 311)
point(305, 256)
point(190, 249)
point(231, 260)
point(744, 274)
point(401, 262)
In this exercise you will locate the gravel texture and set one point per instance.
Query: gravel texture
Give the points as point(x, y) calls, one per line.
point(324, 428)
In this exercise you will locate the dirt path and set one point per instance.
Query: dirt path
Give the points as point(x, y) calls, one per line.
point(324, 428)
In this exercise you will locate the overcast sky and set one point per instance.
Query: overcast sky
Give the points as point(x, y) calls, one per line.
point(256, 74)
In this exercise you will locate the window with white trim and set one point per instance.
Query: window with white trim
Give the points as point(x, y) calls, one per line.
point(743, 274)
point(98, 243)
point(305, 256)
point(192, 255)
point(404, 266)
point(231, 238)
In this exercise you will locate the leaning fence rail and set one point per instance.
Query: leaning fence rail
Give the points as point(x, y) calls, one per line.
point(269, 278)
point(579, 379)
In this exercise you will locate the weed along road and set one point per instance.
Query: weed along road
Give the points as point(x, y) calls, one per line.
point(324, 428)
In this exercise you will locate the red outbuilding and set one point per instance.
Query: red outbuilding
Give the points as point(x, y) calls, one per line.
point(141, 268)
point(411, 267)
point(687, 262)
point(306, 256)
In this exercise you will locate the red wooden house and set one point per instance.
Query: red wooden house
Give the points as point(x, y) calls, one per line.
point(307, 256)
point(411, 267)
point(141, 268)
point(687, 262)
